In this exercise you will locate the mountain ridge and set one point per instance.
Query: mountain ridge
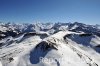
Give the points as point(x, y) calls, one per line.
point(58, 44)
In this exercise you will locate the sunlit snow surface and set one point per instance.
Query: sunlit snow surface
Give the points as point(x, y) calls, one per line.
point(41, 48)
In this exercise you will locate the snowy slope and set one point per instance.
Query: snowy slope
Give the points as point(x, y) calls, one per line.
point(33, 51)
point(49, 44)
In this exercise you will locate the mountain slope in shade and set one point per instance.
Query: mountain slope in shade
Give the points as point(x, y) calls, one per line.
point(67, 45)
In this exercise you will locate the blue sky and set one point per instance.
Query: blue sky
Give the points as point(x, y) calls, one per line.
point(85, 11)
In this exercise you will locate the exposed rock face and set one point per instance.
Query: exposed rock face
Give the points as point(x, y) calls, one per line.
point(44, 45)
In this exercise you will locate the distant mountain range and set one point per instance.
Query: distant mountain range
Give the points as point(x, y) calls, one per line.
point(12, 29)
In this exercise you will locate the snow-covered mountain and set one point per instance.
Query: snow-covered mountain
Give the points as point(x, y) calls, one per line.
point(49, 44)
point(12, 29)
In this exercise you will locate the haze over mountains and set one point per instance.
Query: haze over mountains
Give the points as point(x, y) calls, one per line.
point(76, 44)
